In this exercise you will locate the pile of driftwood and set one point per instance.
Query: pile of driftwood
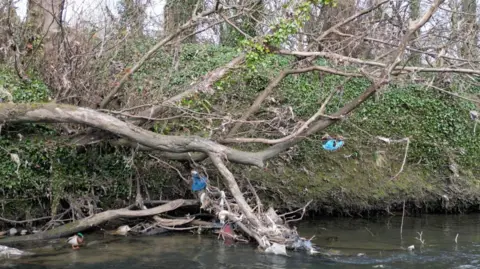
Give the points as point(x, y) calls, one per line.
point(220, 211)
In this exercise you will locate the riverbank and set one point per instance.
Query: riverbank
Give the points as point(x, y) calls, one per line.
point(341, 183)
point(54, 175)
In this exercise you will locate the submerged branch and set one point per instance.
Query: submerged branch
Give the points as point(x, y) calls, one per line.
point(95, 220)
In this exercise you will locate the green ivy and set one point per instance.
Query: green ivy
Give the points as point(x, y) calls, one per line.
point(22, 92)
point(257, 48)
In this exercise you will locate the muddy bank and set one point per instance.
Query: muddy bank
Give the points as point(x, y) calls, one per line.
point(356, 182)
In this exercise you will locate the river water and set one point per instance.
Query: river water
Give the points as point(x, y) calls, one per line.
point(342, 242)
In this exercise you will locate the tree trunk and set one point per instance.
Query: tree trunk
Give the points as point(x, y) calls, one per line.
point(470, 29)
point(44, 17)
point(176, 13)
point(132, 13)
point(414, 15)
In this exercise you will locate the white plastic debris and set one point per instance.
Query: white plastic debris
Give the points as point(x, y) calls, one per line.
point(16, 160)
point(12, 231)
point(222, 199)
point(23, 232)
point(473, 115)
point(304, 244)
point(277, 249)
point(8, 252)
point(202, 199)
point(410, 248)
point(222, 216)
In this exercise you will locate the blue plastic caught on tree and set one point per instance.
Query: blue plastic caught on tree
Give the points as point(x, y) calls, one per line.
point(198, 183)
point(331, 144)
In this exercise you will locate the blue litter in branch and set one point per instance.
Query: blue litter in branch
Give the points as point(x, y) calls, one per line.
point(332, 144)
point(199, 183)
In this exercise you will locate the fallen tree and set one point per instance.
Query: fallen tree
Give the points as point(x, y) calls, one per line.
point(95, 220)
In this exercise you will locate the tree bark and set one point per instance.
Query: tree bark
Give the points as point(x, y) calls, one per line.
point(44, 18)
point(60, 113)
point(470, 28)
point(414, 15)
point(176, 13)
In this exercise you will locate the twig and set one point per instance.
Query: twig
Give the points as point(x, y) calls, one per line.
point(205, 28)
point(301, 216)
point(412, 69)
point(368, 230)
point(453, 94)
point(420, 237)
point(293, 135)
point(171, 166)
point(347, 20)
point(403, 216)
point(388, 141)
point(189, 24)
point(234, 26)
point(404, 160)
point(275, 82)
point(259, 202)
point(295, 211)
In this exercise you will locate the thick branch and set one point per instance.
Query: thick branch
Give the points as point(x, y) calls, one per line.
point(204, 85)
point(349, 107)
point(95, 220)
point(339, 57)
point(51, 112)
point(237, 194)
point(412, 28)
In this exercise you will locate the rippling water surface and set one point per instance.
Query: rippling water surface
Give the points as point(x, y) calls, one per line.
point(343, 243)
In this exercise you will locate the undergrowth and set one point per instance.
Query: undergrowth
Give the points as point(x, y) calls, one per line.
point(353, 179)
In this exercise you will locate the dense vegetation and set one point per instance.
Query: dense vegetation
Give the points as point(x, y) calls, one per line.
point(354, 179)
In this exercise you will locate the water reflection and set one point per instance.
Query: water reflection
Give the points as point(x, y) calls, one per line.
point(344, 243)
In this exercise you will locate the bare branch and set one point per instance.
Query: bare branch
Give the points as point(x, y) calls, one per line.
point(397, 70)
point(388, 141)
point(234, 26)
point(51, 112)
point(171, 166)
point(347, 20)
point(190, 23)
point(274, 83)
point(300, 130)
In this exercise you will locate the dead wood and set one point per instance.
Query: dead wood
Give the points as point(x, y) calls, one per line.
point(95, 220)
point(51, 112)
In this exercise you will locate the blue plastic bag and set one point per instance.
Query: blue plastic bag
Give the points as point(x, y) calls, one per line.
point(198, 183)
point(332, 145)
